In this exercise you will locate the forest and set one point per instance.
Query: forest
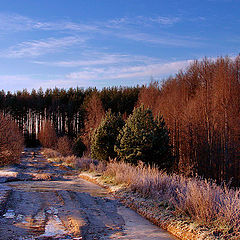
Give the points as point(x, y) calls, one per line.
point(200, 106)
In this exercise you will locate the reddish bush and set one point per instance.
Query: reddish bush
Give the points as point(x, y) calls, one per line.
point(47, 135)
point(64, 146)
point(11, 141)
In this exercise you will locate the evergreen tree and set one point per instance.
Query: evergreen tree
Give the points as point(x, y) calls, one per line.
point(143, 138)
point(79, 147)
point(104, 137)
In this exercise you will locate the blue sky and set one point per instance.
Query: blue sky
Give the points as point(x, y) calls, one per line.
point(88, 43)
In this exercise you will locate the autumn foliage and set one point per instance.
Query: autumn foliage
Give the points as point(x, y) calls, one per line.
point(47, 135)
point(64, 146)
point(11, 141)
point(94, 115)
point(201, 107)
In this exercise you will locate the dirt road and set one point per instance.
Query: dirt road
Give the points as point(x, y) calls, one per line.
point(47, 202)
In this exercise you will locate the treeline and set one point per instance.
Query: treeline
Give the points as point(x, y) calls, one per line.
point(200, 106)
point(66, 109)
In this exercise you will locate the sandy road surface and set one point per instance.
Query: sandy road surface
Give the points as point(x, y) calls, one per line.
point(59, 205)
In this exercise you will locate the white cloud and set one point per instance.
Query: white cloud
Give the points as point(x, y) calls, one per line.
point(156, 70)
point(13, 78)
point(164, 39)
point(125, 28)
point(141, 20)
point(100, 76)
point(65, 25)
point(41, 47)
point(15, 22)
point(165, 20)
point(92, 58)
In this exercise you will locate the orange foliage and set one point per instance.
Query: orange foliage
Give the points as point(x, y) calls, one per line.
point(201, 107)
point(11, 141)
point(95, 113)
point(64, 146)
point(47, 135)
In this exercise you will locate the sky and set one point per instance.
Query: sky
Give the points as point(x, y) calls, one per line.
point(105, 43)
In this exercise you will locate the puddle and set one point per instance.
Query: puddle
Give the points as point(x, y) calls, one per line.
point(54, 226)
point(9, 214)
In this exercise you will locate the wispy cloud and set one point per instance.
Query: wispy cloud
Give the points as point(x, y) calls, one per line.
point(92, 58)
point(127, 72)
point(99, 76)
point(134, 28)
point(165, 20)
point(15, 22)
point(41, 47)
point(164, 39)
point(142, 20)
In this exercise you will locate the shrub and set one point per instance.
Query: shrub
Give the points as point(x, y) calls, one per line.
point(143, 138)
point(104, 137)
point(47, 135)
point(11, 141)
point(79, 147)
point(50, 153)
point(64, 146)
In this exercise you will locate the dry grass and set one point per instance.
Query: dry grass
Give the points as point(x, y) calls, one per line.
point(50, 153)
point(83, 163)
point(205, 202)
point(41, 176)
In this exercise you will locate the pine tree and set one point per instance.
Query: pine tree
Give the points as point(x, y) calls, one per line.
point(104, 137)
point(79, 147)
point(143, 138)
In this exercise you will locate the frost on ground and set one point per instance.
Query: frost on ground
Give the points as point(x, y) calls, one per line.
point(64, 206)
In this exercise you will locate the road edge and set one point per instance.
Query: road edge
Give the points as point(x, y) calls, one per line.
point(147, 208)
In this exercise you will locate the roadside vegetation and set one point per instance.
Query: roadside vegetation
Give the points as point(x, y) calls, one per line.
point(11, 141)
point(217, 208)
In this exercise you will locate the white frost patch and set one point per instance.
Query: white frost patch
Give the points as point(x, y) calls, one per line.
point(54, 227)
point(8, 173)
point(52, 210)
point(20, 217)
point(40, 216)
point(9, 214)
